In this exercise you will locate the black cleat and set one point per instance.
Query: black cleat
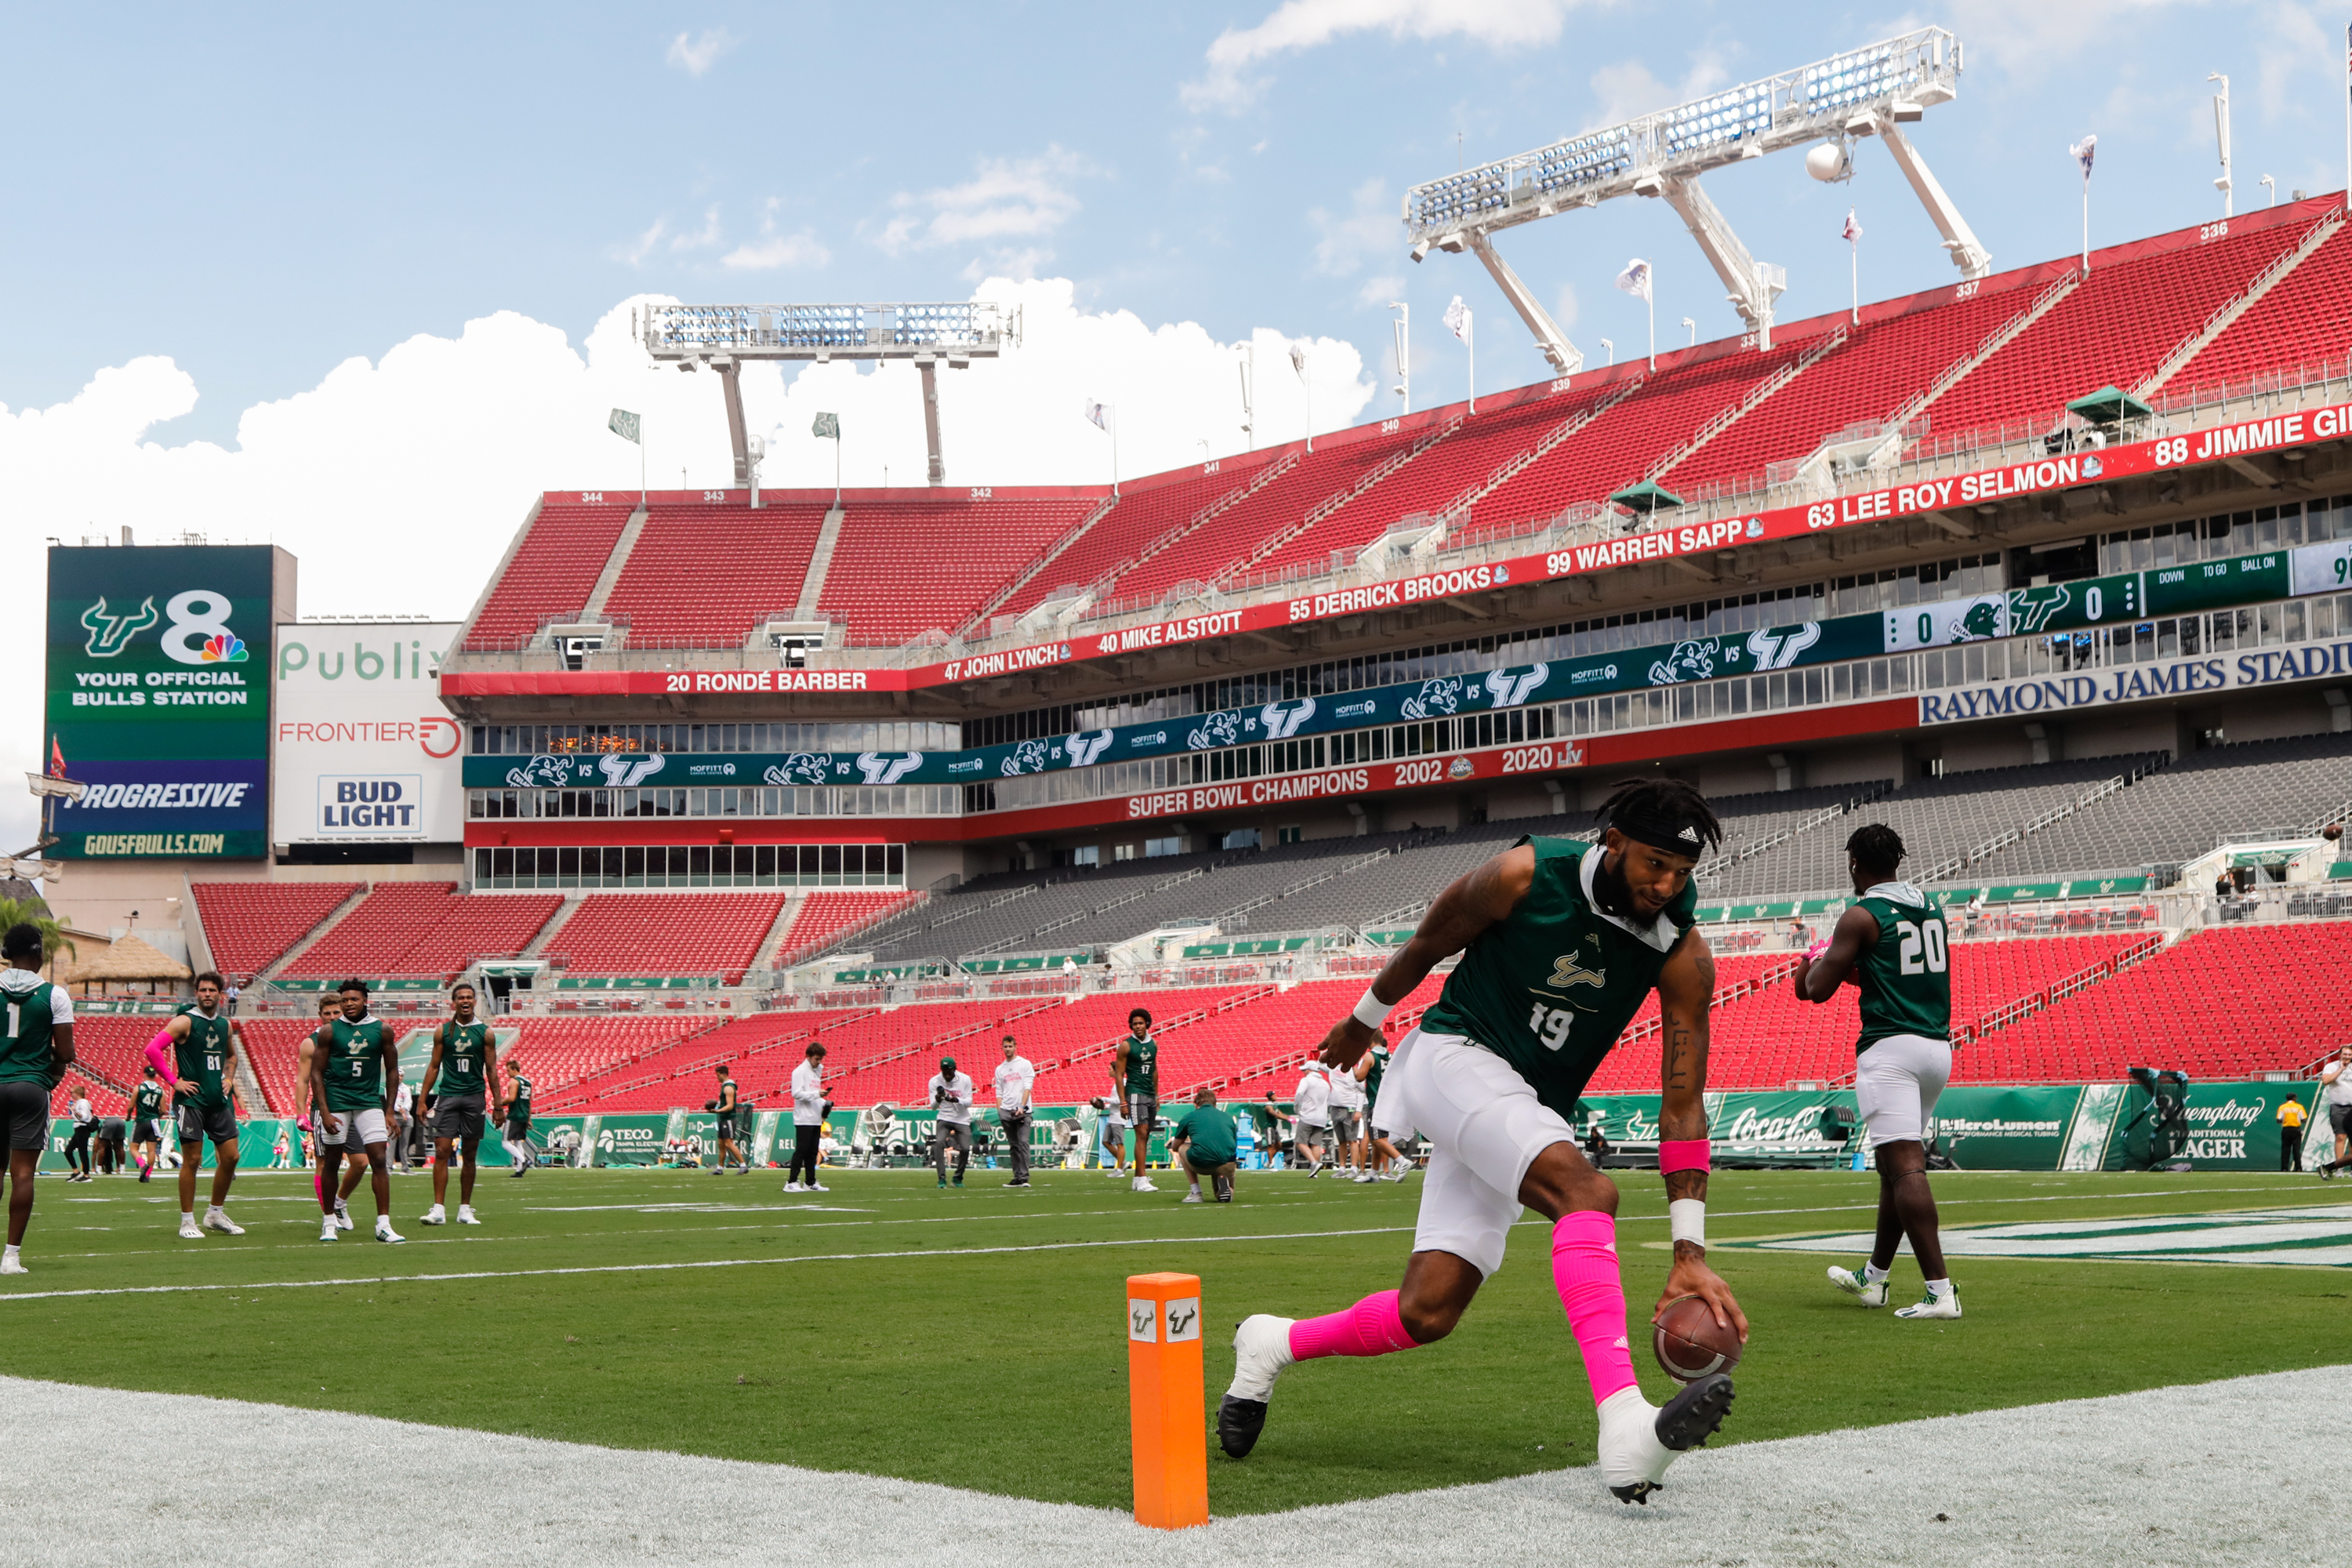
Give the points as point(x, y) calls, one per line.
point(1692, 1416)
point(1239, 1422)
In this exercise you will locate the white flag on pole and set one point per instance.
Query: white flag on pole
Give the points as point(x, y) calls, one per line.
point(1853, 230)
point(1636, 279)
point(1094, 412)
point(2083, 152)
point(1457, 319)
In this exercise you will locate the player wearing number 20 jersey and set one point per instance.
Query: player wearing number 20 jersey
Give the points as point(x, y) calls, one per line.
point(1892, 943)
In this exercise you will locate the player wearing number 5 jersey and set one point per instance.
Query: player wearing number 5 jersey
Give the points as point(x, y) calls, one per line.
point(462, 1077)
point(355, 1072)
point(1891, 943)
point(197, 1054)
point(1561, 942)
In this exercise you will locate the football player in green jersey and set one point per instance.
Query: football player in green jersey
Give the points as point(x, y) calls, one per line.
point(1891, 943)
point(515, 1115)
point(1560, 942)
point(34, 1054)
point(198, 1051)
point(1393, 1167)
point(147, 1122)
point(462, 1077)
point(354, 1073)
point(1135, 1083)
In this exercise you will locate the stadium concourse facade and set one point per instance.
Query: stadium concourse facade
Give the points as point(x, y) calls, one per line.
point(2051, 570)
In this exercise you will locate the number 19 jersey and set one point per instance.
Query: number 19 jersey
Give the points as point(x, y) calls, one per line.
point(1905, 977)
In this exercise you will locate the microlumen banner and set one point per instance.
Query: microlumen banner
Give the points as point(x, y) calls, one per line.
point(157, 690)
point(2054, 608)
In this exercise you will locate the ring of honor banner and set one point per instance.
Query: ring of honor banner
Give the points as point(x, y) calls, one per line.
point(2049, 608)
point(158, 698)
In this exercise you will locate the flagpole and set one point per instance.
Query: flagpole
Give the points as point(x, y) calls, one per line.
point(1113, 451)
point(1651, 301)
point(641, 465)
point(2347, 117)
point(1470, 341)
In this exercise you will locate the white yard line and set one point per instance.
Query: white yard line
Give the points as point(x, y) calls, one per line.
point(2174, 1475)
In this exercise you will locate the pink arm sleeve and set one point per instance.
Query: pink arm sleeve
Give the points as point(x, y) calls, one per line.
point(159, 1052)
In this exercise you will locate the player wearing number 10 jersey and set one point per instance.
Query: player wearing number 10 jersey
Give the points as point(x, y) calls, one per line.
point(1891, 943)
point(462, 1077)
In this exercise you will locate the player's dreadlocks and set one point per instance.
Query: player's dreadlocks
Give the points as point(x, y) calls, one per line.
point(1665, 812)
point(1877, 849)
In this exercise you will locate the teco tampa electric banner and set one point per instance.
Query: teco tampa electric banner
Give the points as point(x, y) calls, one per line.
point(364, 751)
point(158, 699)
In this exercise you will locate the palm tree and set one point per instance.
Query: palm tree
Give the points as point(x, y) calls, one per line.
point(34, 913)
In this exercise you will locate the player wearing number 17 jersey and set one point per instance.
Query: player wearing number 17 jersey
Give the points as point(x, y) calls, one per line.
point(1561, 942)
point(197, 1054)
point(1891, 943)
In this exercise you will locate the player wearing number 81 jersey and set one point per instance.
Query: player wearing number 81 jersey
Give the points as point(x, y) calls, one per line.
point(1891, 943)
point(198, 1053)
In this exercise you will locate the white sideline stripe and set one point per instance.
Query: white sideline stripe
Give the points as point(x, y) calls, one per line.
point(711, 1263)
point(2169, 1475)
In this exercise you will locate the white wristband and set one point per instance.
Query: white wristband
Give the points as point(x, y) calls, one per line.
point(1686, 1220)
point(1371, 1011)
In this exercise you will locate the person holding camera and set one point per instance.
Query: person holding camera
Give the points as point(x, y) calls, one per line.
point(951, 1093)
point(809, 1108)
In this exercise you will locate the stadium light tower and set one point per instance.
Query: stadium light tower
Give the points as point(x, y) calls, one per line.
point(1869, 92)
point(724, 336)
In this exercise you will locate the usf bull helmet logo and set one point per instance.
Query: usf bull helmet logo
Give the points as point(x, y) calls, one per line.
point(110, 634)
point(1281, 719)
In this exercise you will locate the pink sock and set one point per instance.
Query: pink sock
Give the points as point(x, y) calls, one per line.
point(1371, 1327)
point(1584, 1269)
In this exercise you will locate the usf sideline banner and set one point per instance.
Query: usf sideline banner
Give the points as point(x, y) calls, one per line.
point(274, 1144)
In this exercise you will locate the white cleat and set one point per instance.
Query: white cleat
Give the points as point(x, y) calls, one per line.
point(466, 1215)
point(1361, 1177)
point(436, 1214)
point(1193, 1196)
point(1638, 1441)
point(13, 1266)
point(220, 1221)
point(1261, 1350)
point(1141, 1184)
point(1947, 1305)
point(328, 1230)
point(816, 1187)
point(1856, 1284)
point(383, 1231)
point(343, 1219)
point(792, 1187)
point(188, 1231)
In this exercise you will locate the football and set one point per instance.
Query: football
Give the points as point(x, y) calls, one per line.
point(1690, 1344)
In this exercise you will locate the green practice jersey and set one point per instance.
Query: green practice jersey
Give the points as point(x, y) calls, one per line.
point(519, 1101)
point(464, 1050)
point(1142, 1065)
point(1550, 988)
point(355, 1065)
point(1211, 1131)
point(1380, 1058)
point(147, 1101)
point(202, 1058)
point(1905, 977)
point(25, 1055)
point(729, 1095)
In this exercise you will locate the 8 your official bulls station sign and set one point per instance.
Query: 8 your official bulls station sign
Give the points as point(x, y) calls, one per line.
point(2039, 477)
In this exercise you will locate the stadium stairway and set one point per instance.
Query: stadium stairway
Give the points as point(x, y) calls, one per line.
point(248, 927)
point(2304, 318)
point(549, 571)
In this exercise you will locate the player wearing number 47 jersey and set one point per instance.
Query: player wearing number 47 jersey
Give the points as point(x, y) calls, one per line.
point(1561, 942)
point(198, 1053)
point(1892, 945)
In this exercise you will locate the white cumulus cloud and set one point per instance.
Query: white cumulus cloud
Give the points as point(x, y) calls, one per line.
point(1229, 82)
point(1006, 200)
point(398, 483)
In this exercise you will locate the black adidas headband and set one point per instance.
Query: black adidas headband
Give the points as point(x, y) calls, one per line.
point(1676, 834)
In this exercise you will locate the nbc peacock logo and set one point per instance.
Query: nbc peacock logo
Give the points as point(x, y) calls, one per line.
point(227, 647)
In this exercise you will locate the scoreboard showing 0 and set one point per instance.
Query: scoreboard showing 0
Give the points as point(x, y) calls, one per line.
point(158, 697)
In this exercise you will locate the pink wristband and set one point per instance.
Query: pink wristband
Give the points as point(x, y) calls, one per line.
point(1683, 1154)
point(1815, 952)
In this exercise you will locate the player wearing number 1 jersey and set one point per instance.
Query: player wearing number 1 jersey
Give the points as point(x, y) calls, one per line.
point(197, 1054)
point(1891, 943)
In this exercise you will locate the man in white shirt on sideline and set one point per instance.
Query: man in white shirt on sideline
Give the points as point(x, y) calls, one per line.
point(85, 1128)
point(404, 1111)
point(808, 1121)
point(1347, 1124)
point(951, 1095)
point(2334, 1093)
point(1110, 1135)
point(1312, 1099)
point(1016, 1076)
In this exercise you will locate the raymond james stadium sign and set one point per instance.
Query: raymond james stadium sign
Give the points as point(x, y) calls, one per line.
point(2140, 682)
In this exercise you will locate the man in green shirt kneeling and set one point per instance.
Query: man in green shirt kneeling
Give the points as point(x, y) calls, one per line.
point(1204, 1140)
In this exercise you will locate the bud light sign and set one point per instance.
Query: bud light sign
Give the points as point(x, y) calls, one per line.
point(379, 806)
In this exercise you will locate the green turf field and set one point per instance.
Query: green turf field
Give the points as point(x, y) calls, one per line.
point(975, 1337)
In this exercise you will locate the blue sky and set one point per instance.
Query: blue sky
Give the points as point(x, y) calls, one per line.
point(259, 195)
